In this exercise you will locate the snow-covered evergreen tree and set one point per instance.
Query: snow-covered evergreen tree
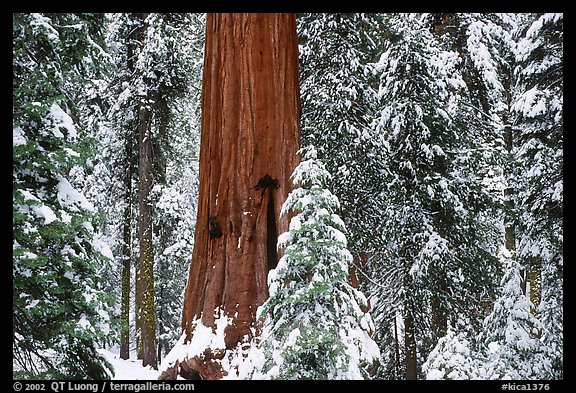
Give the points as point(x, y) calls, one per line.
point(513, 342)
point(539, 125)
point(511, 333)
point(434, 227)
point(487, 45)
point(338, 102)
point(510, 344)
point(314, 327)
point(60, 311)
point(462, 144)
point(455, 357)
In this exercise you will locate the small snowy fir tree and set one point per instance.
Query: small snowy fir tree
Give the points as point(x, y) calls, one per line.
point(511, 332)
point(455, 357)
point(509, 346)
point(314, 327)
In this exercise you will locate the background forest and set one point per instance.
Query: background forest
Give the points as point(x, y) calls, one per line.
point(439, 135)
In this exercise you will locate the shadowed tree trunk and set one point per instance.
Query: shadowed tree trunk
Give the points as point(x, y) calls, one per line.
point(510, 236)
point(439, 313)
point(134, 39)
point(410, 346)
point(250, 136)
point(146, 257)
point(146, 260)
point(138, 306)
point(397, 362)
point(127, 256)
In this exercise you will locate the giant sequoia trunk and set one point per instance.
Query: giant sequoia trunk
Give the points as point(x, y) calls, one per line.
point(250, 136)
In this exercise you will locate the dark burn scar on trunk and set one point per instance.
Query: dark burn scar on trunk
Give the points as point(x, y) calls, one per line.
point(214, 228)
point(266, 182)
point(272, 234)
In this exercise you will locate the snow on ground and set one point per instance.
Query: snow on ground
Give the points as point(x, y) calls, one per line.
point(204, 337)
point(130, 369)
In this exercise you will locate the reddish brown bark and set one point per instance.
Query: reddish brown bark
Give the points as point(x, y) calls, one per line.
point(360, 261)
point(250, 136)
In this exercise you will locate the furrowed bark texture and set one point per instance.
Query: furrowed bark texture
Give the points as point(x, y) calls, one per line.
point(146, 319)
point(250, 136)
point(146, 259)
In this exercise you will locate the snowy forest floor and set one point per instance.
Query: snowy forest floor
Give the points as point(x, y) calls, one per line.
point(128, 370)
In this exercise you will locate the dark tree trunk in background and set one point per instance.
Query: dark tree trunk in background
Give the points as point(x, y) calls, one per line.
point(137, 308)
point(509, 232)
point(134, 43)
point(439, 318)
point(510, 237)
point(410, 347)
point(397, 361)
point(127, 256)
point(250, 136)
point(146, 259)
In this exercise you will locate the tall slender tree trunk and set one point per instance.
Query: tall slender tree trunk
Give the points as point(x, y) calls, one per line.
point(250, 136)
point(135, 41)
point(137, 311)
point(146, 317)
point(126, 256)
point(146, 259)
point(159, 146)
point(439, 316)
point(509, 233)
point(397, 364)
point(410, 346)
